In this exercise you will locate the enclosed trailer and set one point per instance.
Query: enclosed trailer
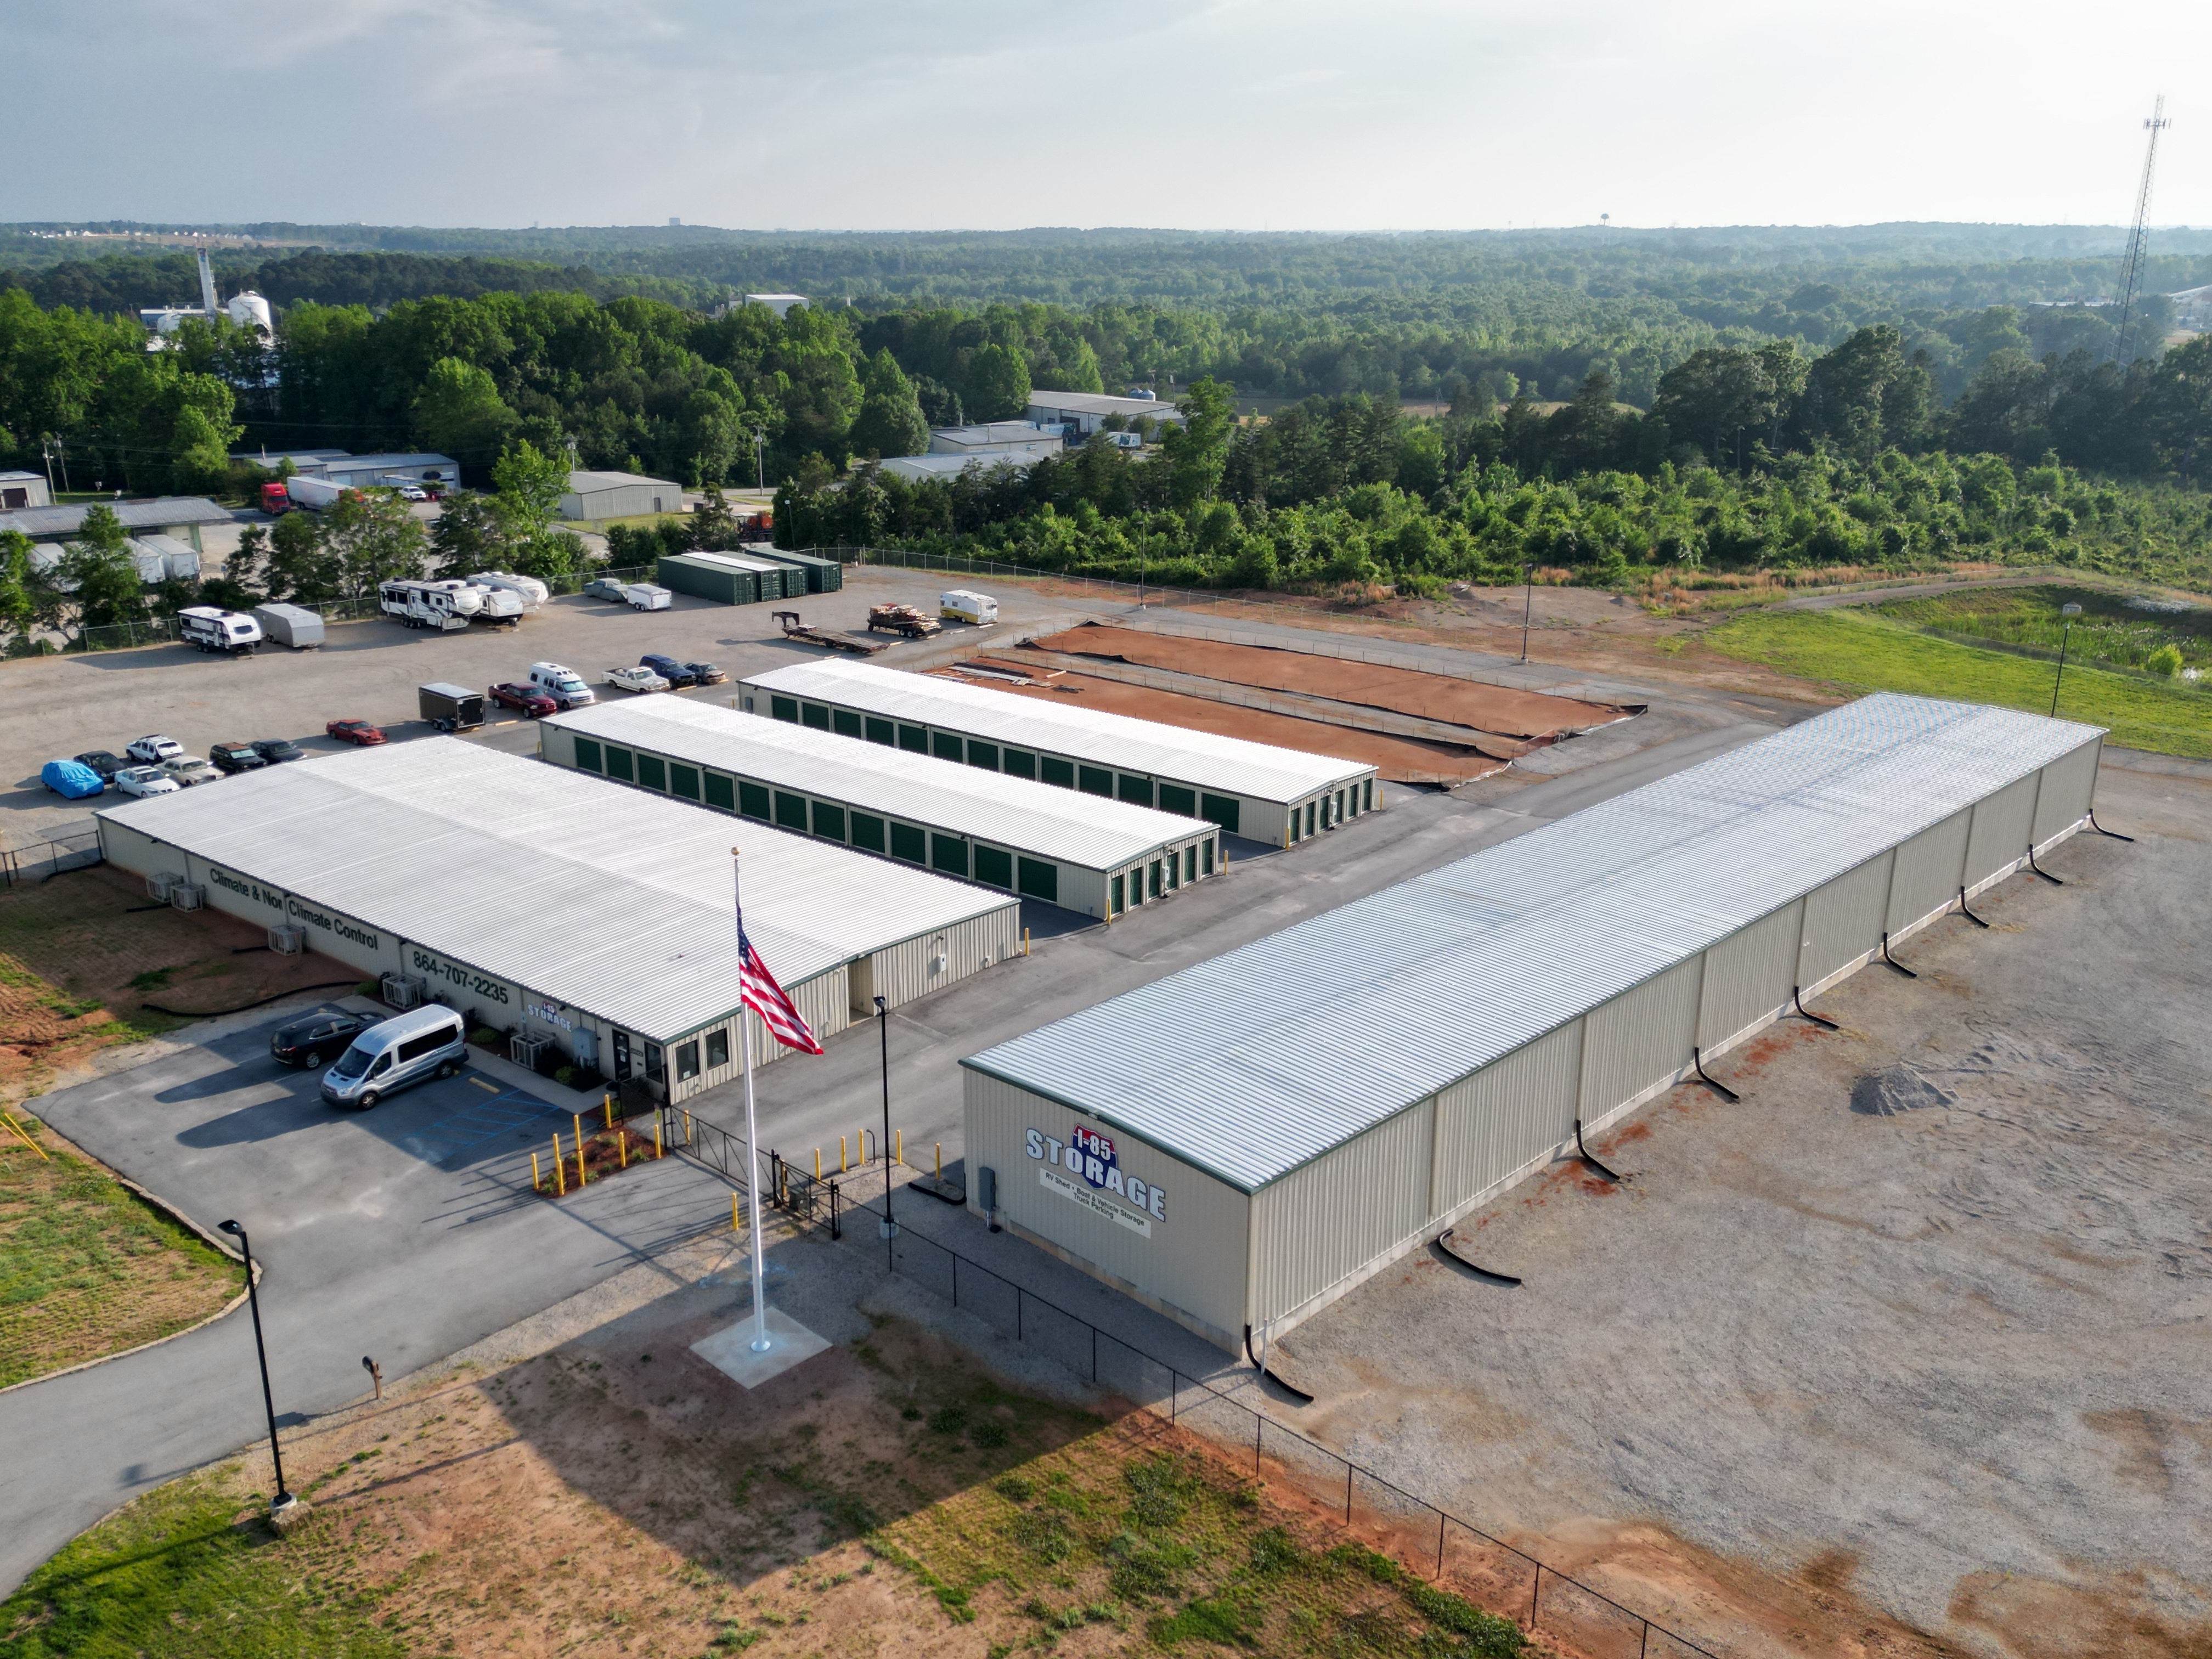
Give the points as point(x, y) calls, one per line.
point(290, 624)
point(450, 707)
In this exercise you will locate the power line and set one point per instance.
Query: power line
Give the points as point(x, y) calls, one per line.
point(2132, 269)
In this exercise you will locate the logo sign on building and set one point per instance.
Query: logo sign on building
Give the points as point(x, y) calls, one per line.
point(1089, 1157)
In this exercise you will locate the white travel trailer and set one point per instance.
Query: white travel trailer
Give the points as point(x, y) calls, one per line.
point(207, 628)
point(448, 605)
point(533, 591)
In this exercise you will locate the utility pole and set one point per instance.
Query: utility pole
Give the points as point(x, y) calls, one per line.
point(2131, 266)
point(760, 458)
point(46, 449)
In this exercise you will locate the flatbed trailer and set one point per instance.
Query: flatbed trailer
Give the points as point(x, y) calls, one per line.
point(794, 628)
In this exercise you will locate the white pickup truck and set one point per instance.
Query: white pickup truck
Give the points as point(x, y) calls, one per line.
point(634, 678)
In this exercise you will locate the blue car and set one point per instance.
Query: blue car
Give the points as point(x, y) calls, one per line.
point(72, 780)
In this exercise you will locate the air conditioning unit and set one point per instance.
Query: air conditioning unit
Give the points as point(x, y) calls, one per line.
point(527, 1051)
point(159, 884)
point(288, 940)
point(185, 896)
point(400, 992)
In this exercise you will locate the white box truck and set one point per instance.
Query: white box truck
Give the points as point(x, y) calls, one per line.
point(289, 624)
point(205, 627)
point(313, 494)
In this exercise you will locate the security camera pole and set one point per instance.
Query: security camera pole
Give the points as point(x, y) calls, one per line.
point(280, 1505)
point(891, 1227)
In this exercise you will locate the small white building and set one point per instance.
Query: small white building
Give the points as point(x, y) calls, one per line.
point(779, 303)
point(619, 496)
point(366, 471)
point(1079, 414)
point(23, 489)
point(1025, 438)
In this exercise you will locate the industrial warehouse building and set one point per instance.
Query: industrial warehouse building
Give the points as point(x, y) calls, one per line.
point(177, 516)
point(1100, 857)
point(729, 578)
point(555, 906)
point(1238, 1144)
point(1252, 789)
point(595, 495)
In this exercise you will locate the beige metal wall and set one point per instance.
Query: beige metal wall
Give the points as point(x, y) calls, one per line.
point(1925, 875)
point(1748, 977)
point(1318, 1226)
point(902, 972)
point(1843, 921)
point(2070, 789)
point(1639, 1036)
point(2002, 825)
point(1507, 1119)
point(1191, 1266)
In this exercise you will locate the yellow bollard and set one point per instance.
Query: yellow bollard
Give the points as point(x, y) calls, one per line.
point(656, 1137)
point(607, 1106)
point(898, 1147)
point(583, 1169)
point(734, 1226)
point(817, 1163)
point(536, 1180)
point(622, 1147)
point(560, 1168)
point(1026, 941)
point(687, 1128)
point(940, 1160)
point(843, 1166)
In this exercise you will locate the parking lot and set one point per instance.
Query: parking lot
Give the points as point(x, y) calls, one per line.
point(401, 1233)
point(63, 706)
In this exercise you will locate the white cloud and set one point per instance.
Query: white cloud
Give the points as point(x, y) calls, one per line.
point(883, 114)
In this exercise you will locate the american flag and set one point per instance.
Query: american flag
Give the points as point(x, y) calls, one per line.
point(757, 989)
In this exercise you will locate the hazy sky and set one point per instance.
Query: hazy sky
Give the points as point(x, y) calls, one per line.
point(985, 113)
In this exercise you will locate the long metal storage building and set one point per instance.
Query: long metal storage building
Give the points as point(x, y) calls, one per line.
point(1252, 789)
point(1100, 857)
point(1240, 1143)
point(559, 907)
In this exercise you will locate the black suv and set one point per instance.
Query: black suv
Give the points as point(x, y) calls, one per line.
point(104, 764)
point(676, 674)
point(316, 1040)
point(235, 757)
point(273, 749)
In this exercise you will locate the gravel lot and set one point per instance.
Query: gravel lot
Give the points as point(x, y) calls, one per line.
point(1921, 1322)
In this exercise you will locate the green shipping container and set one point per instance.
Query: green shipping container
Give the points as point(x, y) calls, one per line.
point(821, 575)
point(709, 579)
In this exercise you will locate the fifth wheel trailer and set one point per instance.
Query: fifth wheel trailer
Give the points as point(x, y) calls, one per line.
point(1237, 1143)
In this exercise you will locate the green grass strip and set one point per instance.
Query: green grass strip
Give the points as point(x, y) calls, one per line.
point(1852, 651)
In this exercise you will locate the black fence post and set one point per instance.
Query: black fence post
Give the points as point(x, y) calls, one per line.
point(1440, 1546)
point(1535, 1589)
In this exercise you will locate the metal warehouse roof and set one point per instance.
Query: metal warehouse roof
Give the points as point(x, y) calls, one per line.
point(1259, 770)
point(156, 514)
point(1035, 817)
point(1258, 1061)
point(602, 897)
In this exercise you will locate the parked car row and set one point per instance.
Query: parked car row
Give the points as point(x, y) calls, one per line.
point(158, 765)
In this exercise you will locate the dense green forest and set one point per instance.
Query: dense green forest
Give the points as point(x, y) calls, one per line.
point(1617, 400)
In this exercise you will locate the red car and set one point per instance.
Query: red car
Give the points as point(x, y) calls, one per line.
point(527, 698)
point(359, 731)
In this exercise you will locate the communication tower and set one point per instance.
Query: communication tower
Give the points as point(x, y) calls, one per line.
point(2131, 266)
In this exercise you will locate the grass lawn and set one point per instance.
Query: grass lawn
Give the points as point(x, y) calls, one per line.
point(87, 1267)
point(2113, 628)
point(1852, 651)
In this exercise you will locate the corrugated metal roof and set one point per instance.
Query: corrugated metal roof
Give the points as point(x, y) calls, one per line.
point(1254, 1063)
point(1034, 818)
point(155, 514)
point(1202, 759)
point(585, 484)
point(605, 898)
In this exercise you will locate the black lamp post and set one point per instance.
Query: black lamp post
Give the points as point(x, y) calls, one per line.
point(1527, 607)
point(284, 1500)
point(891, 1227)
point(2068, 611)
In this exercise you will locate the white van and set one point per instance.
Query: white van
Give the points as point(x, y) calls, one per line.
point(961, 606)
point(562, 683)
point(205, 627)
point(397, 1054)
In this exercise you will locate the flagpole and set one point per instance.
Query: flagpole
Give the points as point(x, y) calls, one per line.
point(760, 1343)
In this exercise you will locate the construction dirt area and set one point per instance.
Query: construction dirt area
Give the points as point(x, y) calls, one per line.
point(1502, 711)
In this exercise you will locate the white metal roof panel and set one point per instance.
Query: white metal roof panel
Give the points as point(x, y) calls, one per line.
point(1258, 1061)
point(1086, 830)
point(1205, 759)
point(604, 898)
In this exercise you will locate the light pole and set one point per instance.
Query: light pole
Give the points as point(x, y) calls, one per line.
point(2068, 611)
point(284, 1500)
point(891, 1227)
point(760, 458)
point(1527, 605)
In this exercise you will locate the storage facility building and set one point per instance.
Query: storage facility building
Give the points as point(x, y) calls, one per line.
point(1100, 857)
point(597, 496)
point(1251, 789)
point(178, 516)
point(729, 578)
point(560, 908)
point(1238, 1144)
